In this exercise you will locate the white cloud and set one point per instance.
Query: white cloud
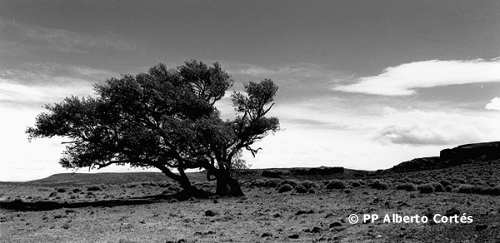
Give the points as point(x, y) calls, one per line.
point(425, 135)
point(494, 104)
point(419, 127)
point(34, 94)
point(405, 78)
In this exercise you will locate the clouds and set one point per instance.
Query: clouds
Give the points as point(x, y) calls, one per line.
point(297, 82)
point(59, 39)
point(20, 94)
point(494, 104)
point(37, 84)
point(424, 135)
point(404, 79)
point(424, 127)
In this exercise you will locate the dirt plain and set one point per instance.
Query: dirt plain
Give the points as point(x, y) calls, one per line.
point(282, 206)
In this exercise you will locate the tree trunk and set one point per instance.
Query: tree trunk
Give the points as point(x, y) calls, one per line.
point(188, 190)
point(228, 186)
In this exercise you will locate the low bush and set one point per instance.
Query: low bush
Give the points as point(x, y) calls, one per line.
point(425, 188)
point(272, 182)
point(289, 182)
point(407, 187)
point(308, 184)
point(271, 174)
point(285, 188)
point(445, 183)
point(468, 188)
point(94, 188)
point(448, 188)
point(355, 184)
point(317, 171)
point(378, 185)
point(300, 188)
point(473, 189)
point(335, 184)
point(268, 183)
point(495, 191)
point(438, 187)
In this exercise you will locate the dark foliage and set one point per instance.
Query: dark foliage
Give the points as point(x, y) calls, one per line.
point(335, 184)
point(163, 119)
point(379, 185)
point(317, 171)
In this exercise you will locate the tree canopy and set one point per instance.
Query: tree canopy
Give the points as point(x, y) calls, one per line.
point(166, 119)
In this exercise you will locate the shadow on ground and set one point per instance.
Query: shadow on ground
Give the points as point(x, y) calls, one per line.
point(20, 205)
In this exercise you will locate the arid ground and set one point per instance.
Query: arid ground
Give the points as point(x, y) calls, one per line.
point(281, 205)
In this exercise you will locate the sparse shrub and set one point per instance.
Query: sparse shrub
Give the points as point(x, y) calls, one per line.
point(335, 184)
point(417, 181)
point(149, 184)
point(445, 183)
point(308, 184)
point(164, 185)
point(407, 187)
point(300, 188)
point(174, 188)
point(257, 183)
point(317, 171)
point(131, 185)
point(378, 185)
point(272, 183)
point(489, 190)
point(210, 213)
point(448, 188)
point(265, 183)
point(271, 174)
point(76, 190)
point(452, 211)
point(468, 188)
point(289, 182)
point(311, 190)
point(285, 188)
point(494, 191)
point(474, 189)
point(438, 187)
point(355, 184)
point(477, 181)
point(425, 188)
point(61, 190)
point(94, 188)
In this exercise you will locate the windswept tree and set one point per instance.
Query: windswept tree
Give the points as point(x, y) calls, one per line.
point(164, 119)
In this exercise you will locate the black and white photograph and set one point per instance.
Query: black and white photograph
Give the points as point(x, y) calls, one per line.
point(182, 121)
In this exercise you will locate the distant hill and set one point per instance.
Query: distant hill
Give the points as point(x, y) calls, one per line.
point(464, 154)
point(98, 178)
point(137, 177)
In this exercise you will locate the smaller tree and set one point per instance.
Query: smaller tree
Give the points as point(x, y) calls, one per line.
point(229, 138)
point(165, 120)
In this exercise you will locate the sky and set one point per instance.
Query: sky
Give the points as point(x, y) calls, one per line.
point(363, 84)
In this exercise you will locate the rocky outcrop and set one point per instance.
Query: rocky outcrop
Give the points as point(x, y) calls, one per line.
point(426, 163)
point(475, 151)
point(468, 153)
